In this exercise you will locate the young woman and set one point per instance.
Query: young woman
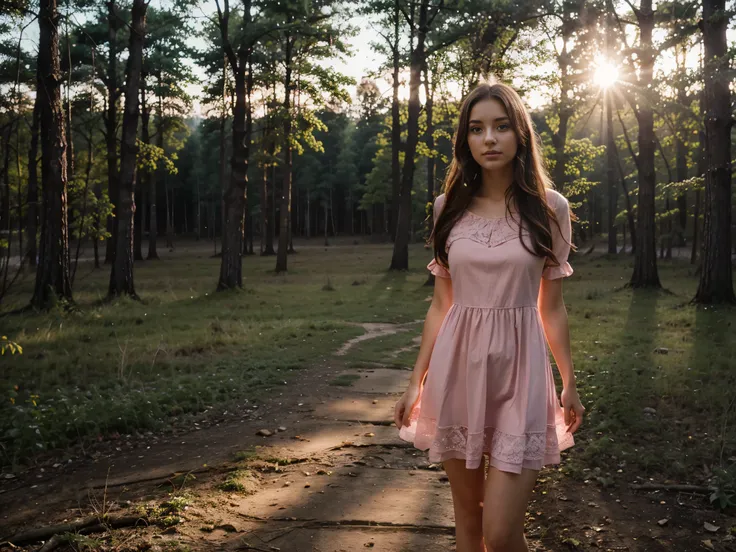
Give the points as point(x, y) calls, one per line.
point(501, 242)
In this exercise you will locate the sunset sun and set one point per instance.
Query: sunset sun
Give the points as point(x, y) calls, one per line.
point(606, 74)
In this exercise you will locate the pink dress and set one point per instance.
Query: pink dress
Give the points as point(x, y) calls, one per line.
point(489, 388)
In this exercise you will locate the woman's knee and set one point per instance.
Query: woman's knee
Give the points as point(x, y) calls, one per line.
point(499, 537)
point(467, 494)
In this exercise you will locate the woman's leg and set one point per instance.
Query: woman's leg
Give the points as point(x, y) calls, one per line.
point(505, 501)
point(467, 495)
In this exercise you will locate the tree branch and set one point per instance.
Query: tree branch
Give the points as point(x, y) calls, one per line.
point(435, 12)
point(223, 19)
point(628, 142)
point(664, 157)
point(406, 16)
point(633, 8)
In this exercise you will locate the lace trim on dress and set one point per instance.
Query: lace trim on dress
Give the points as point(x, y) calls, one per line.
point(511, 449)
point(490, 232)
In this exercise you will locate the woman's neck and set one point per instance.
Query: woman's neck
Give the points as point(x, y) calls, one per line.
point(495, 183)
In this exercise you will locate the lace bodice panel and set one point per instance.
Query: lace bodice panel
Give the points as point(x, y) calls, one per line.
point(490, 232)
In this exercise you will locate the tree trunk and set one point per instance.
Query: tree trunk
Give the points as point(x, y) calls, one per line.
point(32, 212)
point(716, 279)
point(152, 178)
point(395, 128)
point(559, 138)
point(400, 258)
point(121, 276)
point(231, 267)
point(142, 175)
point(645, 258)
point(269, 183)
point(111, 121)
point(52, 275)
point(137, 219)
point(429, 136)
point(285, 214)
point(610, 177)
point(681, 163)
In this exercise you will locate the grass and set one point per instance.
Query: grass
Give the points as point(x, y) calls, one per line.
point(382, 350)
point(128, 366)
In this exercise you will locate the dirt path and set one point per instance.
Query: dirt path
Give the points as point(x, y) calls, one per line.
point(333, 476)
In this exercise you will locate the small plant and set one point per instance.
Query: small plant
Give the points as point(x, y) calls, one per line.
point(82, 543)
point(239, 481)
point(176, 504)
point(245, 455)
point(724, 489)
point(11, 346)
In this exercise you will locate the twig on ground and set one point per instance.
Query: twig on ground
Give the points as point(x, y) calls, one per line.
point(678, 488)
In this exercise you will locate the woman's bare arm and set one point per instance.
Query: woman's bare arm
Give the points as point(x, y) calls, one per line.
point(554, 320)
point(441, 302)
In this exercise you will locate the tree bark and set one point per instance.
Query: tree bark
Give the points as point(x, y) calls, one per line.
point(143, 175)
point(32, 198)
point(285, 214)
point(610, 176)
point(231, 266)
point(111, 121)
point(234, 197)
point(645, 258)
point(681, 162)
point(559, 138)
point(52, 275)
point(121, 276)
point(400, 259)
point(716, 274)
point(395, 128)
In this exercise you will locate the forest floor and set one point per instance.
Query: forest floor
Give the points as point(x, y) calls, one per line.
point(166, 399)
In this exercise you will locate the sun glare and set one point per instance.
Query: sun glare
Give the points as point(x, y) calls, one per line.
point(606, 74)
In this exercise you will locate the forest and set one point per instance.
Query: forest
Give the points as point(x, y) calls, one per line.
point(214, 215)
point(634, 112)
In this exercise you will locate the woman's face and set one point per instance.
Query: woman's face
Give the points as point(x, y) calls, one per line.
point(492, 141)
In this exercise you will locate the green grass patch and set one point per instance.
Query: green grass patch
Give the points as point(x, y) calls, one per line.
point(127, 366)
point(390, 350)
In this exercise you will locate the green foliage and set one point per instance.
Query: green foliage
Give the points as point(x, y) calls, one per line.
point(724, 492)
point(151, 158)
point(90, 207)
point(12, 346)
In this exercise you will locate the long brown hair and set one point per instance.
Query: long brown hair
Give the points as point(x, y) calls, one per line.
point(529, 185)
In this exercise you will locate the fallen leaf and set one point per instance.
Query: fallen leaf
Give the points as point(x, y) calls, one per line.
point(710, 527)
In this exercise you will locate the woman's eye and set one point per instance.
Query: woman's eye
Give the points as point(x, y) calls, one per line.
point(475, 129)
point(503, 127)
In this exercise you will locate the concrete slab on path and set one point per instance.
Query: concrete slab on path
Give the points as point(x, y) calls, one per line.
point(319, 436)
point(356, 407)
point(357, 494)
point(351, 539)
point(382, 381)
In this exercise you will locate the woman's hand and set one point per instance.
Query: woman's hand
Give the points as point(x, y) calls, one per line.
point(572, 407)
point(404, 406)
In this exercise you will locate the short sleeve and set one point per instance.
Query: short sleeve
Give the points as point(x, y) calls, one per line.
point(561, 240)
point(434, 267)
